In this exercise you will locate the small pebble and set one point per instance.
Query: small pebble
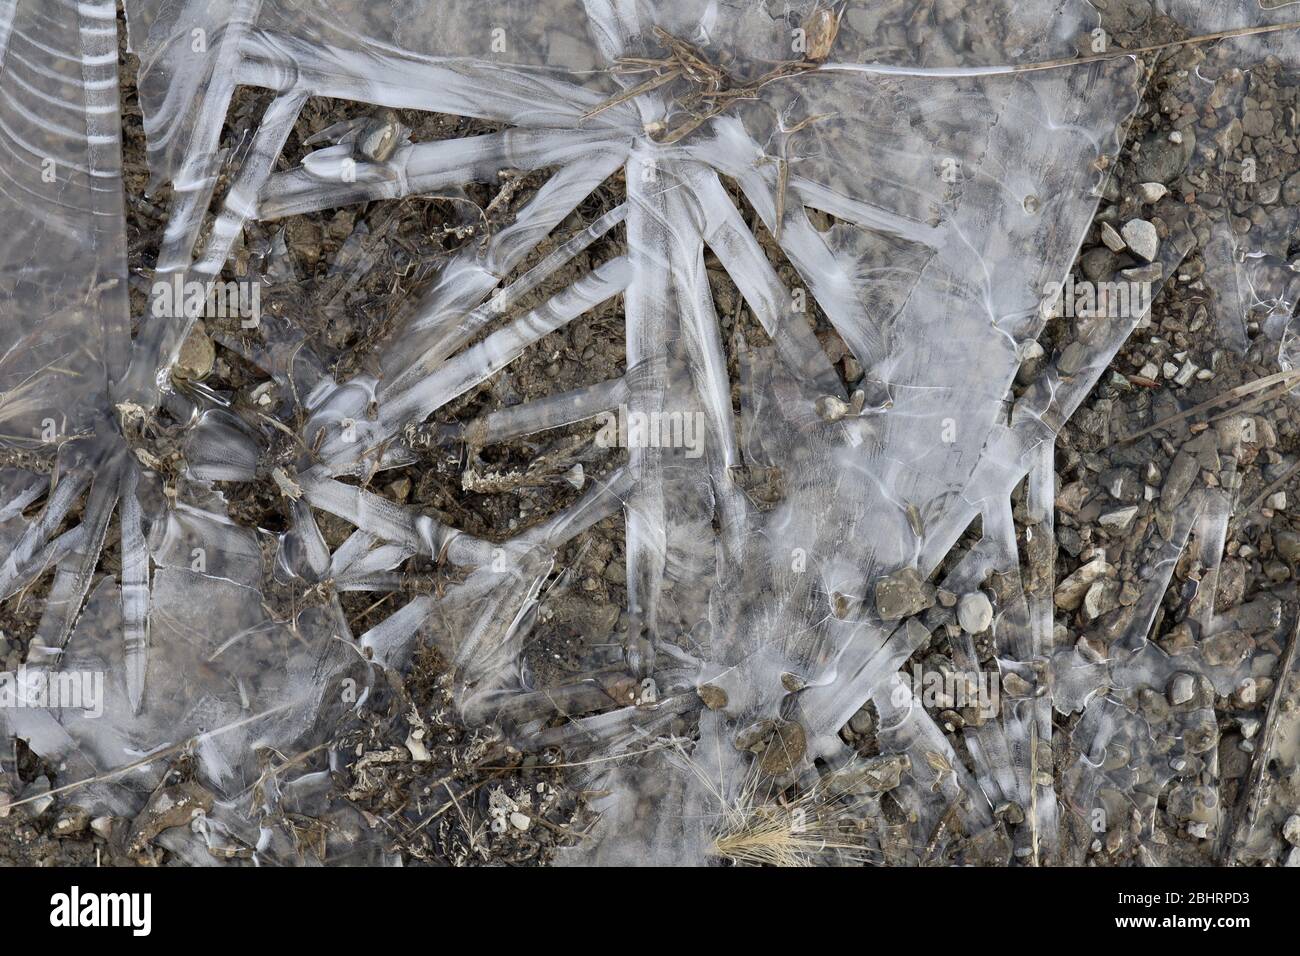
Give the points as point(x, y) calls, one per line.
point(1152, 192)
point(197, 355)
point(1142, 238)
point(1111, 238)
point(1182, 688)
point(975, 613)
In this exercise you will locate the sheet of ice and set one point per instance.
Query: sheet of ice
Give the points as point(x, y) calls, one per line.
point(925, 195)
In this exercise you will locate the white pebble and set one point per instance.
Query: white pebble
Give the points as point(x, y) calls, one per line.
point(975, 612)
point(1142, 238)
point(1152, 192)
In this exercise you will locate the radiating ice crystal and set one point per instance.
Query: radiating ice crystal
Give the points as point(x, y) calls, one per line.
point(925, 191)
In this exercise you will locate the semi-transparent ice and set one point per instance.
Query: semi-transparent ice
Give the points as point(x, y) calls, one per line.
point(959, 189)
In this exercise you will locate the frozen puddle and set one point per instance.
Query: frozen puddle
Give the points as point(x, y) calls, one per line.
point(909, 194)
